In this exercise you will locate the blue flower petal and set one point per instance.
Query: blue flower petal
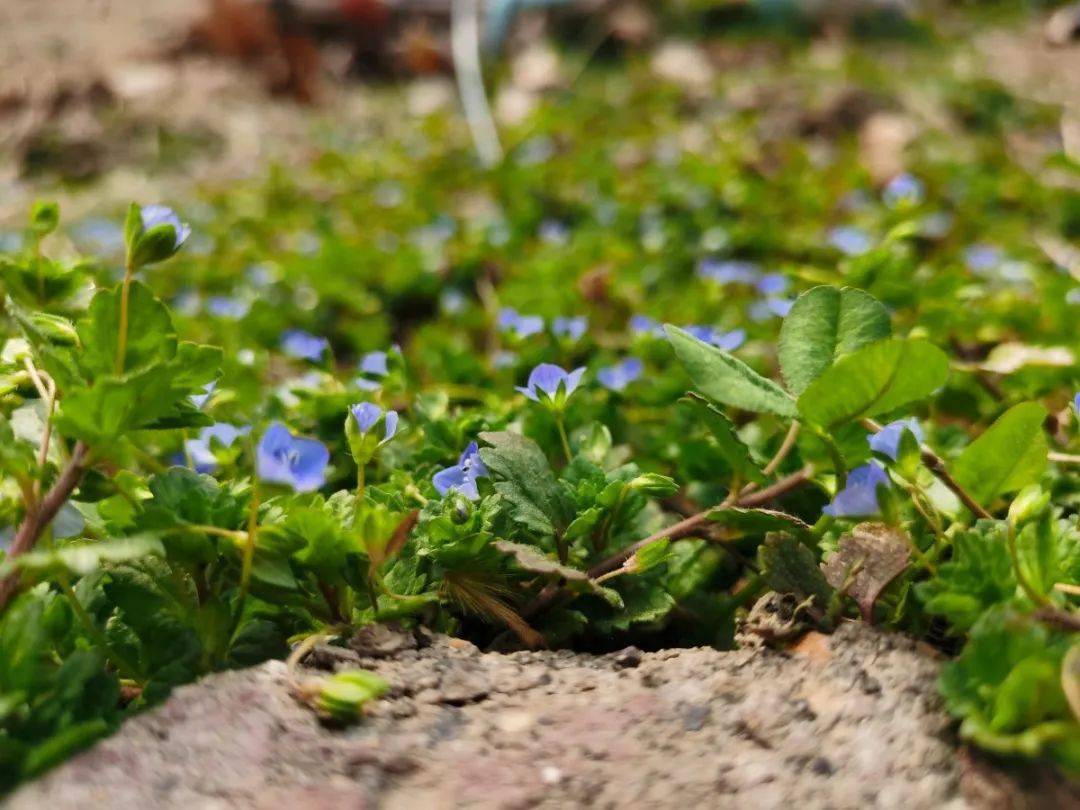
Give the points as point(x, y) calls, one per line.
point(859, 497)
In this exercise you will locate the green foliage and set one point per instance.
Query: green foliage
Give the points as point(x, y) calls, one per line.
point(825, 324)
point(1010, 455)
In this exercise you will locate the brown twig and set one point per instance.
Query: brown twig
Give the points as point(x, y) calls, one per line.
point(41, 515)
point(936, 465)
point(684, 528)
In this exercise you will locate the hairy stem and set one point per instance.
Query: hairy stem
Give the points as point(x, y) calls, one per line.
point(122, 332)
point(41, 514)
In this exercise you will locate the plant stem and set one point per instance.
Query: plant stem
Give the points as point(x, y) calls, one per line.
point(1039, 599)
point(1063, 458)
point(785, 448)
point(249, 547)
point(563, 438)
point(360, 485)
point(122, 665)
point(122, 334)
point(936, 465)
point(41, 515)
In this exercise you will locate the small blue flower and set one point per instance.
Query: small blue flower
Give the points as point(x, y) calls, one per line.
point(982, 258)
point(291, 460)
point(772, 284)
point(887, 440)
point(904, 189)
point(571, 328)
point(548, 379)
point(374, 363)
point(462, 476)
point(860, 497)
point(155, 215)
point(199, 400)
point(620, 375)
point(728, 341)
point(644, 325)
point(849, 240)
point(554, 232)
point(936, 225)
point(303, 345)
point(222, 306)
point(368, 414)
point(1076, 404)
point(728, 271)
point(504, 359)
point(200, 450)
point(521, 326)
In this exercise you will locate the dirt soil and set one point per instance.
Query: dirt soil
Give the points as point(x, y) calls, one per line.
point(847, 721)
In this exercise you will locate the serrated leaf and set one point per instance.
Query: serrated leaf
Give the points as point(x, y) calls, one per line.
point(723, 378)
point(151, 335)
point(866, 561)
point(1010, 455)
point(873, 380)
point(825, 324)
point(523, 476)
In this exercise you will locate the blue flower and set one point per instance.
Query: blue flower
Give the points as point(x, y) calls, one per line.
point(620, 375)
point(849, 240)
point(374, 363)
point(303, 345)
point(201, 451)
point(728, 271)
point(772, 284)
point(572, 328)
point(222, 306)
point(644, 325)
point(554, 232)
point(1076, 404)
point(982, 258)
point(728, 341)
point(291, 460)
point(521, 326)
point(547, 380)
point(462, 476)
point(887, 440)
point(155, 215)
point(368, 414)
point(904, 189)
point(860, 497)
point(504, 359)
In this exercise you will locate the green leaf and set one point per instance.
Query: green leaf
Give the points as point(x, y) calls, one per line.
point(115, 405)
point(723, 378)
point(757, 521)
point(790, 567)
point(731, 447)
point(44, 217)
point(825, 324)
point(151, 334)
point(536, 561)
point(978, 576)
point(873, 380)
point(82, 558)
point(523, 476)
point(1010, 455)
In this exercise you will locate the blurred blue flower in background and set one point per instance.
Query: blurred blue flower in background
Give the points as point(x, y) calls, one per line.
point(291, 460)
point(850, 240)
point(303, 345)
point(547, 379)
point(620, 375)
point(571, 328)
point(520, 326)
point(201, 451)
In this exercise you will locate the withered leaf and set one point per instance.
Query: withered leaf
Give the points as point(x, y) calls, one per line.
point(867, 560)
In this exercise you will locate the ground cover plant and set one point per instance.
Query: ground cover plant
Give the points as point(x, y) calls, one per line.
point(610, 392)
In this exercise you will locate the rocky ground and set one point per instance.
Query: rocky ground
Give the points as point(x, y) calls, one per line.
point(850, 720)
